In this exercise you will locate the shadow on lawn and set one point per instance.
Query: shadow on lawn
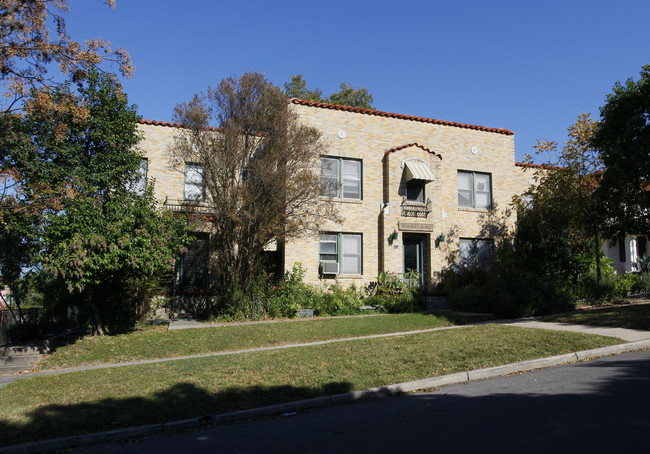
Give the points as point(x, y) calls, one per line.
point(182, 401)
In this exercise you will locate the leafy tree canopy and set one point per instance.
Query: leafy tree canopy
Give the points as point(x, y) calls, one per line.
point(34, 37)
point(346, 96)
point(564, 217)
point(107, 242)
point(260, 171)
point(623, 139)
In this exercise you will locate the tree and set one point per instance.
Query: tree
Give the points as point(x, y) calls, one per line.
point(353, 97)
point(623, 140)
point(297, 88)
point(33, 40)
point(27, 49)
point(260, 174)
point(104, 240)
point(346, 96)
point(565, 209)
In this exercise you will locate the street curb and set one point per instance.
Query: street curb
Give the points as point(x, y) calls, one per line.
point(287, 409)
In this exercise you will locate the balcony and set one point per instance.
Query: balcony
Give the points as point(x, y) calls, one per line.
point(188, 206)
point(411, 208)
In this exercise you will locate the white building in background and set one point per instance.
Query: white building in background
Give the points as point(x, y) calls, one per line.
point(626, 251)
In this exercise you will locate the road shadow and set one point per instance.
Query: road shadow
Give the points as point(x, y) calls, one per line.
point(182, 401)
point(523, 413)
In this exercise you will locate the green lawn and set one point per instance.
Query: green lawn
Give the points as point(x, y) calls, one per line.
point(160, 343)
point(95, 400)
point(634, 317)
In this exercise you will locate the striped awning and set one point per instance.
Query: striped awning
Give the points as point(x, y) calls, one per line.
point(416, 170)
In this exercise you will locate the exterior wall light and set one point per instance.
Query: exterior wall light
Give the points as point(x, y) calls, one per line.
point(392, 237)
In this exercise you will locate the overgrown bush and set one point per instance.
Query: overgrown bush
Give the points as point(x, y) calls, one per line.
point(337, 301)
point(291, 294)
point(507, 288)
point(643, 282)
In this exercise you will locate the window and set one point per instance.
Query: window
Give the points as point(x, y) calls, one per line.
point(139, 183)
point(474, 190)
point(475, 251)
point(415, 190)
point(340, 178)
point(622, 256)
point(194, 189)
point(341, 248)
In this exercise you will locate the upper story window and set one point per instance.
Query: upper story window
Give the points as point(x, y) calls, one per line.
point(194, 188)
point(415, 190)
point(340, 178)
point(139, 184)
point(474, 190)
point(417, 174)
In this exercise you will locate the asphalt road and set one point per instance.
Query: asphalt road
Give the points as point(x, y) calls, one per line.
point(592, 407)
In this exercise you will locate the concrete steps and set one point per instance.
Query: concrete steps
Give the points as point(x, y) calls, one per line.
point(21, 358)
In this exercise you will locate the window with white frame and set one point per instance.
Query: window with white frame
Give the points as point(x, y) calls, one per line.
point(194, 188)
point(340, 178)
point(474, 190)
point(475, 251)
point(344, 249)
point(139, 183)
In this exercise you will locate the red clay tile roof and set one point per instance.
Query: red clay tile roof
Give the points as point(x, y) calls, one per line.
point(535, 166)
point(379, 113)
point(170, 124)
point(414, 144)
point(161, 123)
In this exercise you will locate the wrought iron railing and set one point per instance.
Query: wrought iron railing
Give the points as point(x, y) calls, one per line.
point(188, 206)
point(411, 208)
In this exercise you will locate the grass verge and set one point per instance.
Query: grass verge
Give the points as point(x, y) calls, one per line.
point(95, 400)
point(633, 317)
point(160, 343)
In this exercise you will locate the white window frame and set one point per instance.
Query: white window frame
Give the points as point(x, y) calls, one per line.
point(337, 181)
point(193, 186)
point(474, 189)
point(139, 184)
point(479, 251)
point(349, 251)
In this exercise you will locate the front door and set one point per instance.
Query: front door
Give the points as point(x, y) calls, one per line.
point(414, 254)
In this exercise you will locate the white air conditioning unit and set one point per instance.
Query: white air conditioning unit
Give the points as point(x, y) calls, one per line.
point(329, 268)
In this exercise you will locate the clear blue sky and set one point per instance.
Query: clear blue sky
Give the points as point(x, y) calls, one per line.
point(527, 66)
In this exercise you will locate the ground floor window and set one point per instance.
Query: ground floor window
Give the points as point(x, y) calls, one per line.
point(340, 253)
point(475, 251)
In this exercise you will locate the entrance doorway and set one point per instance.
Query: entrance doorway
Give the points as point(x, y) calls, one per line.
point(414, 256)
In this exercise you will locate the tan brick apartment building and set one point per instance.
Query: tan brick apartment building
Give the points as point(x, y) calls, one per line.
point(412, 192)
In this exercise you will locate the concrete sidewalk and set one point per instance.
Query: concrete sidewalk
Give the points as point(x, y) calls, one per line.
point(629, 335)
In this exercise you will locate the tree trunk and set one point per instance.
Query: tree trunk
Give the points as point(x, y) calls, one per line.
point(597, 252)
point(98, 324)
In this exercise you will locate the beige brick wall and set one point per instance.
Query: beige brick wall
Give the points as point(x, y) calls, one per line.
point(369, 137)
point(168, 178)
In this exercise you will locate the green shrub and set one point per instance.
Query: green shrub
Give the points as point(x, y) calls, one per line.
point(643, 282)
point(507, 288)
point(291, 294)
point(337, 301)
point(624, 283)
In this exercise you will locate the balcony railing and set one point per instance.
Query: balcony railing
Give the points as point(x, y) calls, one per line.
point(188, 206)
point(411, 208)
